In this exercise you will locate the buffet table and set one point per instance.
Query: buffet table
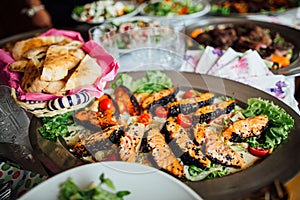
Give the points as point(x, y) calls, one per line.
point(35, 172)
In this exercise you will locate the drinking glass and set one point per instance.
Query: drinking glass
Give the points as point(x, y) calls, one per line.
point(105, 35)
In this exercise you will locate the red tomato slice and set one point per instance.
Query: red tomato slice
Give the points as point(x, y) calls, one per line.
point(112, 157)
point(105, 104)
point(144, 118)
point(184, 120)
point(160, 111)
point(258, 151)
point(189, 94)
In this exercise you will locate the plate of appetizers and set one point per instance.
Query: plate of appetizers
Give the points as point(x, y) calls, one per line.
point(98, 12)
point(276, 43)
point(175, 10)
point(216, 135)
point(246, 8)
point(117, 180)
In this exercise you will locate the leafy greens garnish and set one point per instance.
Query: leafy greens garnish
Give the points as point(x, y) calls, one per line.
point(153, 81)
point(56, 126)
point(69, 190)
point(194, 173)
point(280, 123)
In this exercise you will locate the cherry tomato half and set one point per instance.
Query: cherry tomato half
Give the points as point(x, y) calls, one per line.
point(112, 157)
point(160, 111)
point(258, 151)
point(189, 94)
point(184, 120)
point(145, 118)
point(105, 104)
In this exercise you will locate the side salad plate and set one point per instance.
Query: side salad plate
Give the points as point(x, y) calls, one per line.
point(221, 138)
point(142, 182)
point(99, 12)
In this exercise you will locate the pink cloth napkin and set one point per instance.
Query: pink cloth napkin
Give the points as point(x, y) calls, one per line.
point(106, 61)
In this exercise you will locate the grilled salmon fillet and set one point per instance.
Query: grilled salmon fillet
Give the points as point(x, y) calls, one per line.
point(242, 129)
point(212, 111)
point(189, 105)
point(90, 144)
point(162, 97)
point(162, 154)
point(95, 120)
point(190, 152)
point(220, 152)
point(130, 143)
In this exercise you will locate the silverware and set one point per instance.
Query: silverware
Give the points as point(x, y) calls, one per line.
point(290, 72)
point(5, 191)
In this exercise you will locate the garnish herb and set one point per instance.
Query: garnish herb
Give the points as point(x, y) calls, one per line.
point(70, 191)
point(56, 126)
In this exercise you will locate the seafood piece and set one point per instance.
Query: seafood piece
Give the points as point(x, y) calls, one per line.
point(140, 97)
point(162, 97)
point(162, 154)
point(220, 152)
point(124, 97)
point(242, 129)
point(95, 120)
point(182, 145)
point(131, 141)
point(190, 105)
point(209, 112)
point(199, 132)
point(103, 140)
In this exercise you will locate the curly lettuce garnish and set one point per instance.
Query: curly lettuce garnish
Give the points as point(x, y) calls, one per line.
point(154, 81)
point(280, 123)
point(194, 173)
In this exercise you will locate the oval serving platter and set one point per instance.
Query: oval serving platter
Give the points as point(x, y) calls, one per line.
point(282, 165)
point(290, 35)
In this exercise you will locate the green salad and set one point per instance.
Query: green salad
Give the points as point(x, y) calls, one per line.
point(172, 8)
point(69, 190)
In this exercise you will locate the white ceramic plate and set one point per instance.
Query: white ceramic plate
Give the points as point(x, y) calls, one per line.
point(142, 181)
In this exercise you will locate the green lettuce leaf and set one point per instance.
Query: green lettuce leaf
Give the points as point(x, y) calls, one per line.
point(153, 81)
point(280, 123)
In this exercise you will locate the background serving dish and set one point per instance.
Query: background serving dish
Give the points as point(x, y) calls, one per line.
point(204, 10)
point(286, 32)
point(277, 166)
point(100, 11)
point(246, 8)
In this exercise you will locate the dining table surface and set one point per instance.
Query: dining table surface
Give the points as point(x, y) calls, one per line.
point(30, 168)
